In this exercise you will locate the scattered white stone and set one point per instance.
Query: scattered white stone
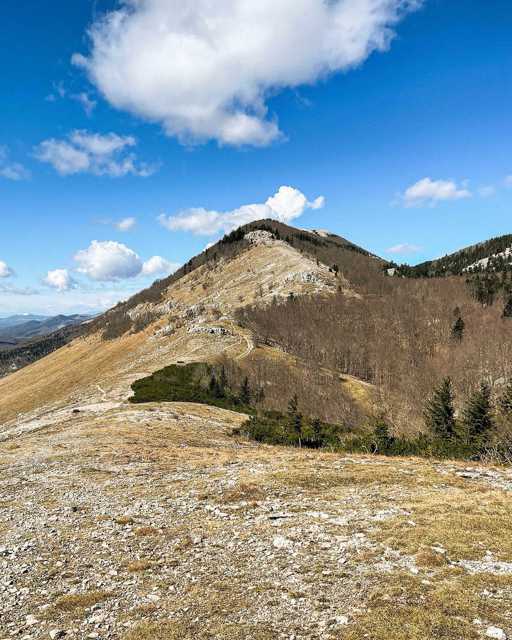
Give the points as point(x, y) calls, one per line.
point(259, 236)
point(496, 633)
point(280, 542)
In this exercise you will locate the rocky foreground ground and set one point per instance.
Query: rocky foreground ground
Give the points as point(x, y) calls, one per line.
point(153, 522)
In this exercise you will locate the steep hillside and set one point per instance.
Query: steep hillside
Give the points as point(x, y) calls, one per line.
point(191, 318)
point(353, 263)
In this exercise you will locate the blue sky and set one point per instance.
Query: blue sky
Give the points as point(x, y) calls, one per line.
point(127, 145)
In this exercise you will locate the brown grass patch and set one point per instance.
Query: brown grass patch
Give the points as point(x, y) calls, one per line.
point(244, 492)
point(138, 566)
point(429, 558)
point(466, 523)
point(171, 630)
point(318, 480)
point(402, 607)
point(147, 531)
point(74, 601)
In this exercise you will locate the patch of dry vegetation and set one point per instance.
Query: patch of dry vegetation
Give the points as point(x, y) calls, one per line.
point(186, 631)
point(73, 601)
point(448, 606)
point(467, 522)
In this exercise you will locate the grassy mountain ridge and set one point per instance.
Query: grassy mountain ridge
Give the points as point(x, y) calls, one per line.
point(355, 263)
point(302, 312)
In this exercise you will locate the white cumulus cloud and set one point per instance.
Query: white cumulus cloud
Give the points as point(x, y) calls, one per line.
point(5, 270)
point(428, 191)
point(204, 69)
point(59, 279)
point(158, 266)
point(108, 261)
point(85, 152)
point(285, 205)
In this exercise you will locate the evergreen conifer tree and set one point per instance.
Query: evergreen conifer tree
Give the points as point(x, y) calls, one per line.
point(507, 310)
point(245, 392)
point(440, 413)
point(505, 402)
point(458, 329)
point(383, 439)
point(213, 385)
point(293, 405)
point(478, 419)
point(295, 417)
point(316, 427)
point(223, 381)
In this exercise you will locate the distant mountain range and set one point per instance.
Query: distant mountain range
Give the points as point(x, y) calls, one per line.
point(17, 328)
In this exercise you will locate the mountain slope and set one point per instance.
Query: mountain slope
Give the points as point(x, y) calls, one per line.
point(153, 523)
point(494, 255)
point(191, 318)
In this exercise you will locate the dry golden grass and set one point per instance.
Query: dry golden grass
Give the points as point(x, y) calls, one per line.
point(54, 378)
point(138, 566)
point(74, 601)
point(146, 531)
point(320, 480)
point(171, 630)
point(244, 491)
point(467, 522)
point(405, 607)
point(429, 558)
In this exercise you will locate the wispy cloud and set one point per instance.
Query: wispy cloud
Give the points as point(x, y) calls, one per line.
point(11, 170)
point(404, 249)
point(126, 224)
point(86, 101)
point(13, 290)
point(487, 191)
